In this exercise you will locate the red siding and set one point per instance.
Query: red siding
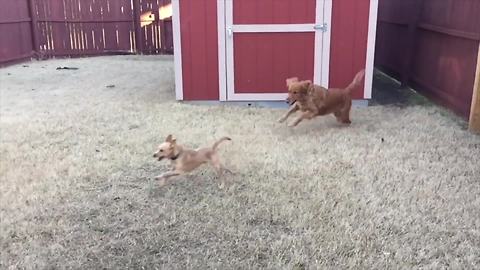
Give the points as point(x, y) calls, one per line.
point(348, 49)
point(198, 26)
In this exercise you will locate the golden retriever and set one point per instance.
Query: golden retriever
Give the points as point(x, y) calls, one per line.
point(313, 100)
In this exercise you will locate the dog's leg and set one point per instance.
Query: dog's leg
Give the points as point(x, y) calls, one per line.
point(346, 113)
point(168, 175)
point(305, 115)
point(291, 110)
point(219, 168)
point(164, 177)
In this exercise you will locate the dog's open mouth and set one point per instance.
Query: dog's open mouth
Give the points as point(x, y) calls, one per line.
point(158, 157)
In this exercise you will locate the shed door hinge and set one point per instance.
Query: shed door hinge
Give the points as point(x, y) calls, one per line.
point(323, 27)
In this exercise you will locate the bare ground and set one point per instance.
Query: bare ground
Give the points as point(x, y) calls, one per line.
point(399, 188)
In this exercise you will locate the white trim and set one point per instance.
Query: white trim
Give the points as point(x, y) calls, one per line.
point(222, 70)
point(372, 32)
point(257, 97)
point(177, 47)
point(327, 18)
point(273, 28)
point(230, 67)
point(318, 51)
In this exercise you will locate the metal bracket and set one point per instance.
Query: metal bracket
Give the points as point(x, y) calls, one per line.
point(323, 27)
point(229, 31)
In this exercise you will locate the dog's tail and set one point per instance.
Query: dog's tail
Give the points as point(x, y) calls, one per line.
point(357, 80)
point(217, 143)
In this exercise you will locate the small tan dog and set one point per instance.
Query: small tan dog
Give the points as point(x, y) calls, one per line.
point(314, 100)
point(186, 160)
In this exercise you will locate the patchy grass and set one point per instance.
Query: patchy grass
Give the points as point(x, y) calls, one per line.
point(399, 188)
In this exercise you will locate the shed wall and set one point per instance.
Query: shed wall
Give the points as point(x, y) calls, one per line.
point(198, 25)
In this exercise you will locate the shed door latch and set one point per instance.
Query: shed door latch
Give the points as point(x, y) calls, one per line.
point(323, 27)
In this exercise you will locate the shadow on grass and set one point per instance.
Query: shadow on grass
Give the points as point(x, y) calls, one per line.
point(388, 91)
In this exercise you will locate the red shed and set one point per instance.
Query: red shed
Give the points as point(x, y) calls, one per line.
point(243, 50)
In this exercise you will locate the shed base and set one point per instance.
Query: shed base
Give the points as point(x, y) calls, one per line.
point(262, 104)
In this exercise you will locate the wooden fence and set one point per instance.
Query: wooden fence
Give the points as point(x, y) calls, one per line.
point(48, 28)
point(432, 46)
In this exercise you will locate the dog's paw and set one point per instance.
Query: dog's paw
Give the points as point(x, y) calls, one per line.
point(160, 178)
point(222, 185)
point(281, 120)
point(228, 171)
point(161, 182)
point(292, 124)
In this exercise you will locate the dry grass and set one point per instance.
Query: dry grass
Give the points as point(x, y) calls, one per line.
point(400, 188)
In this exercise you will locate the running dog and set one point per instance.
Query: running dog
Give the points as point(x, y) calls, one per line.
point(313, 100)
point(185, 160)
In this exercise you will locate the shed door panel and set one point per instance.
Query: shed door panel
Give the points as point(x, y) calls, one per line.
point(268, 41)
point(262, 61)
point(273, 11)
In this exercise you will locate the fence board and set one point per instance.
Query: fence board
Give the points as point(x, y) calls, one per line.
point(439, 60)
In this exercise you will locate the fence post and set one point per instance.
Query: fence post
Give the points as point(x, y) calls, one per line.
point(416, 8)
point(137, 26)
point(34, 26)
point(474, 121)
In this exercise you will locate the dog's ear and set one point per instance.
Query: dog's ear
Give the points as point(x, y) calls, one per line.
point(306, 86)
point(169, 138)
point(289, 81)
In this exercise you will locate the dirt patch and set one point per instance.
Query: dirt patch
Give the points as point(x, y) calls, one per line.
point(398, 188)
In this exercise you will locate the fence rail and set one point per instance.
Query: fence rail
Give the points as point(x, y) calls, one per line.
point(48, 28)
point(431, 45)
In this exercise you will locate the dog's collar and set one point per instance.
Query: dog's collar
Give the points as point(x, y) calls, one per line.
point(176, 156)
